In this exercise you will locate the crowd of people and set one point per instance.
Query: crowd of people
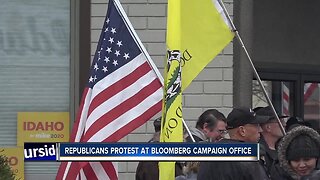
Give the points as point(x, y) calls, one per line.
point(293, 156)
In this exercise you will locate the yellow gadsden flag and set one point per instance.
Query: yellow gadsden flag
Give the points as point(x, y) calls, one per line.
point(198, 30)
point(172, 127)
point(196, 33)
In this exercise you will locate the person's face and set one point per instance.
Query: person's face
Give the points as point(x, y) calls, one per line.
point(274, 127)
point(251, 132)
point(303, 166)
point(221, 131)
point(217, 132)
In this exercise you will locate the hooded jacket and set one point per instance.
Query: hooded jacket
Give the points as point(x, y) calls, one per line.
point(284, 144)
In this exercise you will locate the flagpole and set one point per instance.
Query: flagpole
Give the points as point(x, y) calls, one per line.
point(143, 49)
point(188, 130)
point(252, 66)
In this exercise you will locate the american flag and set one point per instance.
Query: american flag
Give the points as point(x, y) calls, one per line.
point(122, 93)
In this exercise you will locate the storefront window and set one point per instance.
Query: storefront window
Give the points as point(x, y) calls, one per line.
point(284, 98)
point(34, 64)
point(311, 102)
point(280, 93)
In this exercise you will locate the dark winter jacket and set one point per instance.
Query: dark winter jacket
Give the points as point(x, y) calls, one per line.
point(216, 170)
point(287, 171)
point(149, 170)
point(270, 155)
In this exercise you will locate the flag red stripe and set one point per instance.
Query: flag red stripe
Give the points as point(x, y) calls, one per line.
point(73, 172)
point(61, 170)
point(110, 170)
point(135, 123)
point(89, 173)
point(121, 109)
point(309, 91)
point(119, 85)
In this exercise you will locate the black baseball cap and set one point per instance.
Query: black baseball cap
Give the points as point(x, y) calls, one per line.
point(267, 111)
point(242, 116)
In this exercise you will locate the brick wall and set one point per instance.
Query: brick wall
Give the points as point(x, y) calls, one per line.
point(211, 89)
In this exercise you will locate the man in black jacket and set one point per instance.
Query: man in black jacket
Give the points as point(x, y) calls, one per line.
point(270, 135)
point(243, 126)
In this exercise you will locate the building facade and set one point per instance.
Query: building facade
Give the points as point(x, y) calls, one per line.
point(46, 53)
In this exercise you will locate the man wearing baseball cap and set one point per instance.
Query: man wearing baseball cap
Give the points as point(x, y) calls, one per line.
point(243, 126)
point(269, 136)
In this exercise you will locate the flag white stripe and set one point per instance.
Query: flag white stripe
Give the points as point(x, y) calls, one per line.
point(82, 175)
point(66, 170)
point(117, 99)
point(83, 117)
point(99, 170)
point(124, 118)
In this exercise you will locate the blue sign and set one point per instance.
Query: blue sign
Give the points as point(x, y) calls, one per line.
point(40, 151)
point(157, 151)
